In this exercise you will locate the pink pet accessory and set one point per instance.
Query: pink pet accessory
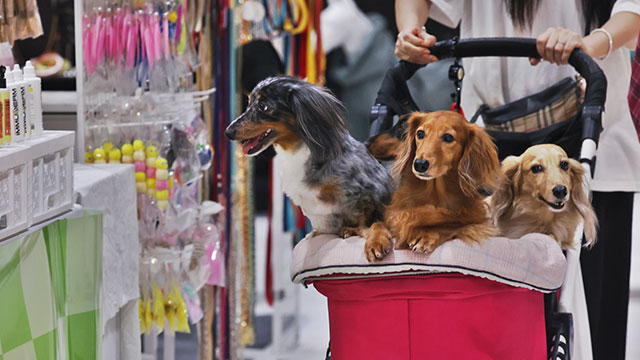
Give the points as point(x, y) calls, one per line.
point(165, 35)
point(139, 166)
point(162, 184)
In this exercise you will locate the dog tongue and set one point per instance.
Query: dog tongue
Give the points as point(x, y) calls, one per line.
point(246, 147)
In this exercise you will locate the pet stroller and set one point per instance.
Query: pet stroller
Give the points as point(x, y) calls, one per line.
point(461, 301)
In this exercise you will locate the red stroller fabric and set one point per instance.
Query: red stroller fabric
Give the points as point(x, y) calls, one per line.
point(434, 316)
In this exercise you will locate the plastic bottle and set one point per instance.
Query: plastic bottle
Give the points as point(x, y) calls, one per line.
point(22, 87)
point(14, 105)
point(34, 99)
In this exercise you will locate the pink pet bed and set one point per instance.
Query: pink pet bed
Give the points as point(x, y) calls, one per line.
point(459, 302)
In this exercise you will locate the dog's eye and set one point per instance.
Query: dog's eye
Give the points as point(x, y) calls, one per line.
point(263, 106)
point(420, 134)
point(447, 138)
point(537, 169)
point(564, 165)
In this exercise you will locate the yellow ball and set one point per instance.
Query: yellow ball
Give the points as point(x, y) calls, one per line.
point(163, 204)
point(107, 146)
point(140, 177)
point(138, 145)
point(127, 149)
point(170, 182)
point(162, 194)
point(173, 16)
point(88, 157)
point(141, 187)
point(115, 154)
point(151, 151)
point(151, 183)
point(161, 163)
point(162, 174)
point(98, 154)
point(138, 155)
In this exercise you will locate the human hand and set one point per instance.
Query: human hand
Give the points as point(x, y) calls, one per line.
point(556, 44)
point(413, 45)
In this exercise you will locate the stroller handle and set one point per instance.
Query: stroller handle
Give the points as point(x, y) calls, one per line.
point(394, 97)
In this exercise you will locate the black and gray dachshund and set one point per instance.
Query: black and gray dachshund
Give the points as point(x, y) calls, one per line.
point(341, 188)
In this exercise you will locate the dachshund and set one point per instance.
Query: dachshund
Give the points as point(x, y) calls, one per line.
point(440, 166)
point(542, 192)
point(340, 187)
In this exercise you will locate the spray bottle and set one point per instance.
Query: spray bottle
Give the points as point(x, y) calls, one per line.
point(22, 93)
point(34, 99)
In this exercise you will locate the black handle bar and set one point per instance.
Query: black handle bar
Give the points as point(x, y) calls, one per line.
point(394, 97)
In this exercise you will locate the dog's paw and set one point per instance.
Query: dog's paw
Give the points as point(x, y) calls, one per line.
point(426, 242)
point(377, 247)
point(349, 231)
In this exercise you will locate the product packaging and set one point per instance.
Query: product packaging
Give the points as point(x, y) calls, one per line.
point(14, 106)
point(34, 99)
point(21, 88)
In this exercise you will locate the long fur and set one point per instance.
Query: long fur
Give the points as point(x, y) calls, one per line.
point(320, 119)
point(426, 213)
point(341, 188)
point(517, 211)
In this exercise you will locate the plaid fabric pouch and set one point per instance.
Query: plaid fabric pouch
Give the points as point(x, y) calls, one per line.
point(550, 116)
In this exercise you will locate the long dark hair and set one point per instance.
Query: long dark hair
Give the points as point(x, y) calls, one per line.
point(595, 12)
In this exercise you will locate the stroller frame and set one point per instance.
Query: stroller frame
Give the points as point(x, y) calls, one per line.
point(394, 98)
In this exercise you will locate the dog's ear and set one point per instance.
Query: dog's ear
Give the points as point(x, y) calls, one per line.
point(479, 165)
point(387, 145)
point(582, 202)
point(407, 147)
point(320, 120)
point(502, 199)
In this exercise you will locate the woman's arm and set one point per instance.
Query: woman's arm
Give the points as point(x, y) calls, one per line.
point(623, 27)
point(411, 13)
point(556, 44)
point(413, 41)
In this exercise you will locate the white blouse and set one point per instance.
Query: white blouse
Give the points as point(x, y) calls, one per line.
point(495, 81)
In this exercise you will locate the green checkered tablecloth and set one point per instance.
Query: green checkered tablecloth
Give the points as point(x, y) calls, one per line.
point(50, 283)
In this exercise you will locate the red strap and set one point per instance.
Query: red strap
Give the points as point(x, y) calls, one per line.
point(302, 55)
point(459, 110)
point(269, 276)
point(319, 55)
point(301, 220)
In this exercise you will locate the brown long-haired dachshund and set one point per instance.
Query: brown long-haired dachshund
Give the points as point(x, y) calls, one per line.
point(542, 192)
point(443, 162)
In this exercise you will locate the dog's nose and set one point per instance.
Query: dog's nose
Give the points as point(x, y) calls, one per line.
point(230, 132)
point(560, 191)
point(421, 165)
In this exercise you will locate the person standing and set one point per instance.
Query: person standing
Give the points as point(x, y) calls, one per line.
point(607, 26)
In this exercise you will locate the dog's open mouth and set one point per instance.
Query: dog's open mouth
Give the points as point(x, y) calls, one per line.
point(256, 144)
point(558, 205)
